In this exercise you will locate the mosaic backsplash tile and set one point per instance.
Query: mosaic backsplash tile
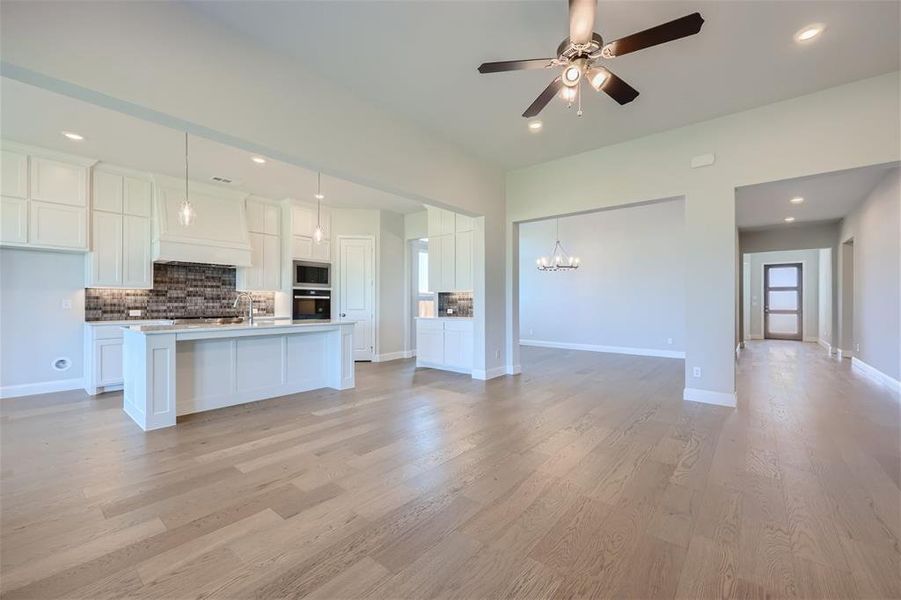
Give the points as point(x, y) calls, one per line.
point(180, 290)
point(459, 302)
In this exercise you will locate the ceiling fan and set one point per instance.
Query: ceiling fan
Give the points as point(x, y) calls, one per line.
point(578, 56)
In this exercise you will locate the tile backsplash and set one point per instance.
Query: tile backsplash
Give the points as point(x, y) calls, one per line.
point(459, 302)
point(180, 290)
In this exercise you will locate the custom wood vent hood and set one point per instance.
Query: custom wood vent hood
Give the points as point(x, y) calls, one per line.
point(218, 234)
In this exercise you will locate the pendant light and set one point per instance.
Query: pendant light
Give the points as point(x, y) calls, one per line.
point(317, 233)
point(559, 260)
point(186, 212)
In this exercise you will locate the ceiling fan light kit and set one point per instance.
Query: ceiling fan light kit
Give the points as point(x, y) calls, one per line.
point(578, 56)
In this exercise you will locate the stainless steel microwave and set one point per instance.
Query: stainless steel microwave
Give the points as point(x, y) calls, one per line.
point(312, 274)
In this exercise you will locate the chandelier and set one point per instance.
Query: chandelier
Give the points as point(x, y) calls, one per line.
point(559, 260)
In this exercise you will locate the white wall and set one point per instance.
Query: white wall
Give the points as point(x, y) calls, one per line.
point(824, 312)
point(387, 229)
point(201, 77)
point(35, 328)
point(416, 225)
point(810, 290)
point(843, 127)
point(629, 292)
point(874, 228)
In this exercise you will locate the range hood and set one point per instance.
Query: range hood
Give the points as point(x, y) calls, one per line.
point(218, 235)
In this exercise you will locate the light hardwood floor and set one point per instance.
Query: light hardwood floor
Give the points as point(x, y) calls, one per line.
point(587, 476)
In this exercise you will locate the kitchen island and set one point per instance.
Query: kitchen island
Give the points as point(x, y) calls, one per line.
point(178, 369)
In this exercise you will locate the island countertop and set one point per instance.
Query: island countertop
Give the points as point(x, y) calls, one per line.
point(261, 326)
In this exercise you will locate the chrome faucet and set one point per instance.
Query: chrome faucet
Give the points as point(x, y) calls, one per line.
point(249, 298)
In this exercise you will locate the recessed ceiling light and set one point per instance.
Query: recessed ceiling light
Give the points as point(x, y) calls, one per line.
point(797, 200)
point(808, 33)
point(789, 219)
point(535, 126)
point(73, 136)
point(258, 159)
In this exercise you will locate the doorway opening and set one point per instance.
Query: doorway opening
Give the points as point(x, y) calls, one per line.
point(783, 294)
point(422, 300)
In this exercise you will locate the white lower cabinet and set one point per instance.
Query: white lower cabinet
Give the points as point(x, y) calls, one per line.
point(103, 356)
point(444, 344)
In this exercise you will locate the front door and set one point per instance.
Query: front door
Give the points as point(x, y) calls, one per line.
point(782, 301)
point(355, 294)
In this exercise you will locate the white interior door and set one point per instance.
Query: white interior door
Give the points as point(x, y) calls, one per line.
point(356, 265)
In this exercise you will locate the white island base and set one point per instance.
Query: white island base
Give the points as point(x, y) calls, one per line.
point(173, 370)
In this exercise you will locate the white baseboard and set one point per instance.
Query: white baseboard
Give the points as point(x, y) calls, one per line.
point(41, 387)
point(844, 353)
point(709, 397)
point(610, 349)
point(811, 339)
point(514, 369)
point(394, 355)
point(825, 345)
point(876, 375)
point(489, 374)
point(754, 336)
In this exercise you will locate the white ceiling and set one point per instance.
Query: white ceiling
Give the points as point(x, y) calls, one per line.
point(827, 197)
point(35, 116)
point(419, 59)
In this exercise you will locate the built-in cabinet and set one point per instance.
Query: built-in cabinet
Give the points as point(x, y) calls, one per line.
point(444, 344)
point(264, 227)
point(43, 199)
point(303, 220)
point(121, 212)
point(450, 251)
point(103, 355)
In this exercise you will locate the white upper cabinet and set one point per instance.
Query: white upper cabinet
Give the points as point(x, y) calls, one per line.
point(121, 205)
point(107, 191)
point(138, 196)
point(43, 198)
point(304, 218)
point(264, 226)
point(14, 181)
point(13, 220)
point(450, 251)
point(57, 181)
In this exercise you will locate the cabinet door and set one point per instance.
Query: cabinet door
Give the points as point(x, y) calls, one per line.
point(463, 261)
point(106, 251)
point(322, 251)
point(448, 262)
point(137, 261)
point(325, 220)
point(253, 275)
point(272, 263)
point(107, 192)
point(303, 220)
point(435, 247)
point(463, 223)
point(458, 345)
point(13, 220)
point(254, 210)
point(57, 225)
point(56, 181)
point(271, 219)
point(429, 344)
point(301, 247)
point(13, 174)
point(108, 362)
point(138, 197)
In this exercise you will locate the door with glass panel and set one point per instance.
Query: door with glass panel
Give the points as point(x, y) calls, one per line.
point(782, 301)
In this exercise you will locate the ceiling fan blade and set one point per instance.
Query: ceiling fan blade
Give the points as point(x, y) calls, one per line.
point(515, 65)
point(541, 101)
point(673, 30)
point(581, 20)
point(618, 89)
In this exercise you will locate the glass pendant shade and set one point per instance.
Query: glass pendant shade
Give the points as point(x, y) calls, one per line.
point(186, 213)
point(317, 234)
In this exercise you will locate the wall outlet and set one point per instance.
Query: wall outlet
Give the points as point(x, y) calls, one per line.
point(669, 341)
point(696, 372)
point(857, 347)
point(66, 304)
point(134, 312)
point(497, 354)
